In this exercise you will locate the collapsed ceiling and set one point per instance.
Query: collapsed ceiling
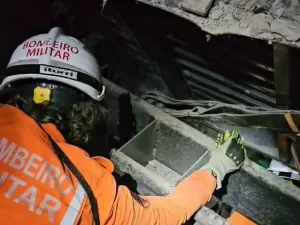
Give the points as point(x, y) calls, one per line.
point(272, 20)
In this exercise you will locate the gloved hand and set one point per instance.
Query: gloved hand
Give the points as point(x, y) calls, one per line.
point(229, 156)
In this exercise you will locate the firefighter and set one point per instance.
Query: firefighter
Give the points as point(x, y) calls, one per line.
point(51, 105)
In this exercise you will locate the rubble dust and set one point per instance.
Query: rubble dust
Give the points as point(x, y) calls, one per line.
point(163, 171)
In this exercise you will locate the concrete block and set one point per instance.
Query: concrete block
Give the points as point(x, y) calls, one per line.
point(199, 7)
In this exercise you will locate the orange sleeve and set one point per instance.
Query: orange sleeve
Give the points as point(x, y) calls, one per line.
point(238, 219)
point(176, 208)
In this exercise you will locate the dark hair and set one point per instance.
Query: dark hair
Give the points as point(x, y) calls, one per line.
point(78, 124)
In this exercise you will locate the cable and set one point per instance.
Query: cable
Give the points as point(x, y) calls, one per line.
point(65, 160)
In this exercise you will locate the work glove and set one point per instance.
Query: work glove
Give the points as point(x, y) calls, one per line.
point(228, 156)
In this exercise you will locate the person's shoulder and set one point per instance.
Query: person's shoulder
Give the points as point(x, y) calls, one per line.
point(89, 167)
point(97, 175)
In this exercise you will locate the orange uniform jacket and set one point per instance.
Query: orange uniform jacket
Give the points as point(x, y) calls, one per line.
point(35, 188)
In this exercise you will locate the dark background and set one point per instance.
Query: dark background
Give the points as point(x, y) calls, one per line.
point(20, 20)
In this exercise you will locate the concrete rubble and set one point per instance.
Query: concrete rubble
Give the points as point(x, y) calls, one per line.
point(275, 21)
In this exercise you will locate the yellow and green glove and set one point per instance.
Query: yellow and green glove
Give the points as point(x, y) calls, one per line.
point(228, 156)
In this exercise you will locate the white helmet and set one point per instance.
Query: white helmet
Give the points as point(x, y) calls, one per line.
point(56, 57)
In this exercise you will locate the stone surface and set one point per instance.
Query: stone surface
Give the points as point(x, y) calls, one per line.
point(199, 7)
point(271, 20)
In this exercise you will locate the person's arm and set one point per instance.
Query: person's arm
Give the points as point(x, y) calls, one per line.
point(176, 208)
point(190, 194)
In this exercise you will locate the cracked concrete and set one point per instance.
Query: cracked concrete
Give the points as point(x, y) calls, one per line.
point(271, 20)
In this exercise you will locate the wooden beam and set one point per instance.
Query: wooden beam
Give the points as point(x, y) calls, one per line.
point(282, 75)
point(282, 78)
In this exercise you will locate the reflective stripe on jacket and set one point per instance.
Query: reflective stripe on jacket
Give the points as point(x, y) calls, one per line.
point(35, 188)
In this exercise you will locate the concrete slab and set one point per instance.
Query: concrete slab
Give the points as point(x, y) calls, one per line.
point(198, 7)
